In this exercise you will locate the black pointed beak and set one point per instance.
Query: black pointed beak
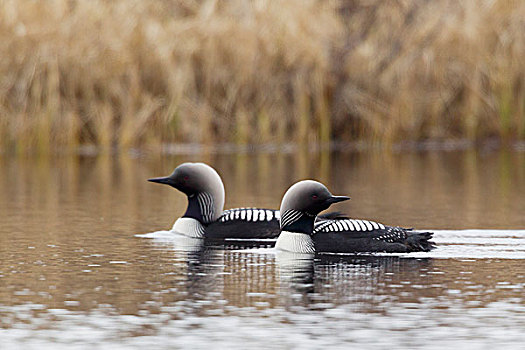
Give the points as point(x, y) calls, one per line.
point(337, 199)
point(162, 180)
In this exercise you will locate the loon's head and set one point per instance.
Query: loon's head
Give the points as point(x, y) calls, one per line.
point(203, 186)
point(301, 204)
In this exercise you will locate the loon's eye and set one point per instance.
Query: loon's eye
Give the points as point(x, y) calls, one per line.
point(314, 196)
point(186, 177)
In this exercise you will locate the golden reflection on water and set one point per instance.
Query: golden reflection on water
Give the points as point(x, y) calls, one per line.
point(434, 190)
point(68, 225)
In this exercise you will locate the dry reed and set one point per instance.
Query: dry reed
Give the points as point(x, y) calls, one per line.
point(132, 73)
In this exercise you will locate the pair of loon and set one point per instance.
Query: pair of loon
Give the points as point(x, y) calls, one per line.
point(298, 225)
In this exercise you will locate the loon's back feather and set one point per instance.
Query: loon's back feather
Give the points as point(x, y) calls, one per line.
point(245, 223)
point(347, 236)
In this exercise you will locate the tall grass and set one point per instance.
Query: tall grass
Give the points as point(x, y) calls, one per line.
point(142, 73)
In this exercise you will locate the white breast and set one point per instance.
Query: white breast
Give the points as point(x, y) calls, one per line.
point(295, 242)
point(188, 227)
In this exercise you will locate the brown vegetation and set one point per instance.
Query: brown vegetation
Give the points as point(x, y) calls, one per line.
point(139, 72)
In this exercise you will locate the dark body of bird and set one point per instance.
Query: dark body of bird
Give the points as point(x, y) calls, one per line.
point(344, 236)
point(245, 223)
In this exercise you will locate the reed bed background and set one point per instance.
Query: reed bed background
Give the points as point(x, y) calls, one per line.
point(140, 73)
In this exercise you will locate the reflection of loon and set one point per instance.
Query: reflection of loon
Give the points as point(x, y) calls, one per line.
point(204, 215)
point(301, 233)
point(295, 265)
point(338, 279)
point(187, 244)
point(202, 272)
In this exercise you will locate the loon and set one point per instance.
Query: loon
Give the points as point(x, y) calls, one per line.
point(301, 233)
point(204, 216)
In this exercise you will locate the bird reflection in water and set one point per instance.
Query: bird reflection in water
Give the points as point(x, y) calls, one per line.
point(239, 275)
point(323, 281)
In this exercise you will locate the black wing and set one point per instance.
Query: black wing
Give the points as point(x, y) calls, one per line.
point(245, 223)
point(349, 236)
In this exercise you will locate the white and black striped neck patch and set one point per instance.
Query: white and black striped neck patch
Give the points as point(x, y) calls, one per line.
point(249, 215)
point(290, 216)
point(347, 225)
point(205, 200)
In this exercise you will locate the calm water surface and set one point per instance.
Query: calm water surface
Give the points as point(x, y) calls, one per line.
point(84, 261)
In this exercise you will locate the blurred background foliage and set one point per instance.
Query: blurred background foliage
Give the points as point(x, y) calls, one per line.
point(141, 73)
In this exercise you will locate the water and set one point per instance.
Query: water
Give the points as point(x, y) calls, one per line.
point(76, 269)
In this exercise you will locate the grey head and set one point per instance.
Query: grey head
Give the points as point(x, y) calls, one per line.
point(203, 186)
point(301, 204)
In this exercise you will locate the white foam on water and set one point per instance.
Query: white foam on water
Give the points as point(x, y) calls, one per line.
point(475, 244)
point(167, 235)
point(174, 239)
